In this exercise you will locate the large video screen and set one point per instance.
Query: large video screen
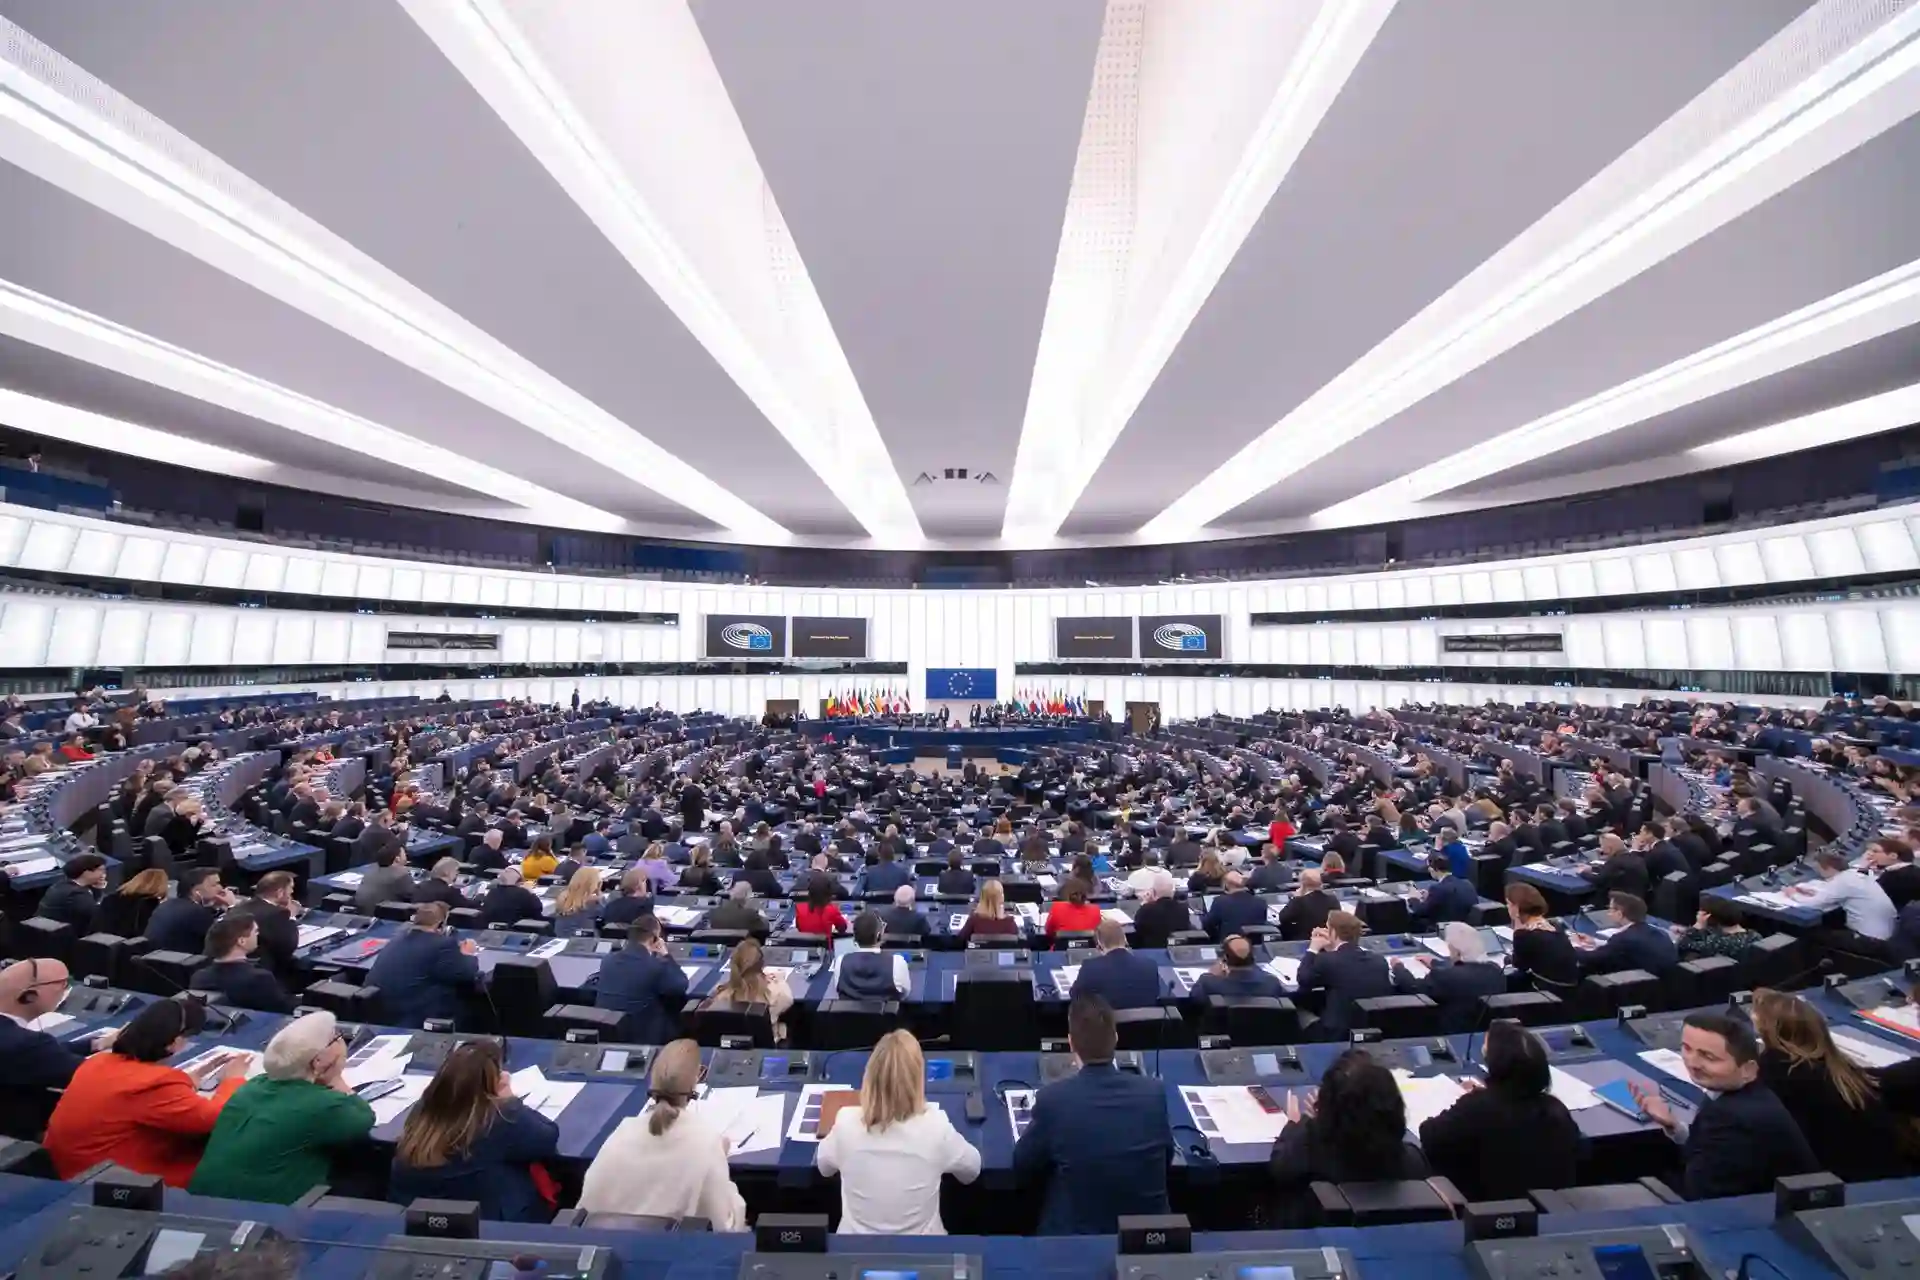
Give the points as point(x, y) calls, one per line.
point(829, 637)
point(963, 684)
point(1193, 635)
point(746, 635)
point(1093, 637)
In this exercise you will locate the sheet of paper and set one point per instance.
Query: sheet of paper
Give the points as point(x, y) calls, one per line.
point(758, 1126)
point(1025, 910)
point(390, 1108)
point(1436, 946)
point(1872, 1054)
point(1904, 1019)
point(31, 866)
point(1768, 898)
point(349, 879)
point(805, 1126)
point(1116, 915)
point(1273, 911)
point(1426, 1096)
point(1418, 966)
point(382, 1067)
point(1574, 1093)
point(956, 922)
point(1229, 1113)
point(550, 948)
point(312, 933)
point(548, 1097)
point(1505, 932)
point(255, 1064)
point(51, 1022)
point(1189, 976)
point(1285, 968)
point(721, 1107)
point(1667, 1061)
point(1065, 976)
point(1019, 1110)
point(692, 971)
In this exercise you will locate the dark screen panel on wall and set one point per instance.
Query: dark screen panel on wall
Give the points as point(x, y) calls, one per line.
point(829, 637)
point(1531, 642)
point(746, 635)
point(1093, 637)
point(1192, 635)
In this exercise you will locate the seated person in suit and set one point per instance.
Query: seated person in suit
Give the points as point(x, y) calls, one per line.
point(1459, 983)
point(181, 922)
point(1233, 911)
point(438, 885)
point(738, 912)
point(1502, 1141)
point(233, 978)
point(635, 899)
point(1355, 1130)
point(956, 879)
point(1308, 908)
point(576, 912)
point(33, 1064)
point(1637, 945)
point(989, 918)
point(886, 875)
point(470, 1138)
point(756, 871)
point(869, 973)
point(698, 876)
point(510, 900)
point(1235, 974)
point(1743, 1137)
point(75, 893)
point(1100, 1138)
point(487, 855)
point(1662, 856)
point(1539, 946)
point(903, 919)
point(1899, 878)
point(273, 907)
point(1271, 876)
point(645, 982)
point(1161, 914)
point(1448, 898)
point(125, 912)
point(1620, 869)
point(1124, 979)
point(1337, 964)
point(388, 881)
point(424, 972)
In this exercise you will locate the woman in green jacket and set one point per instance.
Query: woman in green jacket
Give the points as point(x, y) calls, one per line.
point(276, 1136)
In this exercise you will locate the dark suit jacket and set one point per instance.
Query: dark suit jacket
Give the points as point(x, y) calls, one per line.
point(421, 975)
point(66, 900)
point(1102, 1141)
point(1301, 1157)
point(1159, 920)
point(32, 1063)
point(1347, 973)
point(1638, 946)
point(1622, 873)
point(1249, 981)
point(1901, 883)
point(180, 924)
point(956, 880)
point(737, 915)
point(1124, 979)
point(243, 984)
point(506, 903)
point(1306, 912)
point(905, 921)
point(1449, 900)
point(371, 843)
point(1496, 1147)
point(279, 936)
point(1740, 1142)
point(885, 877)
point(1457, 989)
point(649, 989)
point(1232, 912)
point(1547, 953)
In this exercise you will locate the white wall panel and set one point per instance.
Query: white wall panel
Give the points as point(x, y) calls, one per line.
point(75, 639)
point(1756, 642)
point(96, 553)
point(123, 637)
point(26, 626)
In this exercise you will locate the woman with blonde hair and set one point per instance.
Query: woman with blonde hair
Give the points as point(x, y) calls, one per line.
point(667, 1162)
point(1835, 1103)
point(989, 918)
point(891, 1151)
point(577, 910)
point(1209, 876)
point(748, 982)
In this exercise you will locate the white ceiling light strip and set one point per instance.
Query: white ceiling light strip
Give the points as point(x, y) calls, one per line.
point(1860, 314)
point(63, 125)
point(1082, 398)
point(51, 420)
point(1889, 411)
point(1844, 88)
point(45, 322)
point(818, 406)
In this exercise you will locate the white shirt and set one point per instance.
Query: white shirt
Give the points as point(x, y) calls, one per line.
point(1870, 912)
point(890, 1180)
point(80, 720)
point(682, 1173)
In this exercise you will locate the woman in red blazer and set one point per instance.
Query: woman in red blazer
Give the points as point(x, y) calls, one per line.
point(1071, 912)
point(126, 1105)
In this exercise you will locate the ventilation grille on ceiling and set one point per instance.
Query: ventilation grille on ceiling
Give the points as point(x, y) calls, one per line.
point(955, 474)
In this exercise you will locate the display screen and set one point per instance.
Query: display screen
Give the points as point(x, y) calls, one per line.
point(614, 1060)
point(1093, 637)
point(1266, 1273)
point(1004, 959)
point(1196, 635)
point(1266, 1064)
point(939, 1069)
point(169, 1249)
point(1623, 1262)
point(773, 1067)
point(740, 635)
point(889, 1275)
point(829, 637)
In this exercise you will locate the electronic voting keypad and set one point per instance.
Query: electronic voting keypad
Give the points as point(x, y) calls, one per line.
point(100, 1243)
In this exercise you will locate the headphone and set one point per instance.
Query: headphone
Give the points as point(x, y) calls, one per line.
point(32, 994)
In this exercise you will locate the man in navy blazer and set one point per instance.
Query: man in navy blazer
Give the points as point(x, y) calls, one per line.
point(1637, 945)
point(1234, 910)
point(424, 971)
point(645, 982)
point(1336, 963)
point(33, 1063)
point(1459, 983)
point(885, 875)
point(1100, 1138)
point(1123, 978)
point(1448, 898)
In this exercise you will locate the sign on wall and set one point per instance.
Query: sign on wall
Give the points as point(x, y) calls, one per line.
point(742, 635)
point(1532, 642)
point(829, 637)
point(1093, 637)
point(1194, 635)
point(475, 641)
point(963, 684)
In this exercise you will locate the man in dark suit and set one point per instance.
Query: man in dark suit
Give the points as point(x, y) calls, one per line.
point(1620, 869)
point(272, 908)
point(645, 982)
point(473, 823)
point(1271, 876)
point(1337, 964)
point(1100, 1138)
point(377, 839)
point(1308, 909)
point(957, 878)
point(32, 1063)
point(1548, 830)
point(1899, 878)
point(509, 900)
point(1688, 842)
point(737, 913)
point(1743, 1137)
point(181, 922)
point(1447, 898)
point(1637, 945)
point(1501, 843)
point(424, 971)
point(1457, 984)
point(903, 919)
point(1235, 974)
point(1233, 911)
point(886, 875)
point(75, 892)
point(353, 822)
point(1124, 979)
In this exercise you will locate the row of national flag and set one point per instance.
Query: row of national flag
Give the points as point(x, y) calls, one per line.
point(866, 702)
point(1041, 703)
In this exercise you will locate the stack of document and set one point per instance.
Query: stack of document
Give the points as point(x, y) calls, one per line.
point(550, 948)
point(349, 879)
point(1574, 1093)
point(1286, 969)
point(1904, 1019)
point(1436, 946)
point(1426, 1096)
point(390, 1107)
point(1064, 977)
point(382, 1058)
point(1768, 898)
point(1189, 976)
point(1231, 1113)
point(1116, 915)
point(255, 1064)
point(30, 867)
point(312, 933)
point(682, 916)
point(1872, 1054)
point(548, 1097)
point(1418, 966)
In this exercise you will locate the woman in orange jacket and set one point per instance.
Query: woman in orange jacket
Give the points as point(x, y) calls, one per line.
point(126, 1105)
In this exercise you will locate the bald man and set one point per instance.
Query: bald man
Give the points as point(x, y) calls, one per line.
point(33, 1063)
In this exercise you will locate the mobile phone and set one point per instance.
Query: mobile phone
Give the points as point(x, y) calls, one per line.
point(614, 1060)
point(976, 1109)
point(1260, 1095)
point(376, 1089)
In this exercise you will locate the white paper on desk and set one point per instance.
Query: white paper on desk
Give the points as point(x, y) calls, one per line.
point(1574, 1093)
point(783, 972)
point(1065, 976)
point(1545, 867)
point(957, 921)
point(677, 915)
point(1426, 1096)
point(1436, 946)
point(1285, 968)
point(1504, 932)
point(1047, 881)
point(1026, 910)
point(1668, 1061)
point(548, 1097)
point(312, 933)
point(1418, 966)
point(51, 1022)
point(1116, 915)
point(31, 866)
point(720, 1107)
point(809, 1093)
point(380, 1067)
point(349, 879)
point(550, 948)
point(255, 1065)
point(1229, 1113)
point(757, 1126)
point(1873, 1054)
point(394, 1105)
point(1189, 976)
point(1778, 901)
point(1019, 1110)
point(1273, 912)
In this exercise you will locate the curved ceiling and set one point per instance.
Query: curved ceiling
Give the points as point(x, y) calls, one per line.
point(887, 273)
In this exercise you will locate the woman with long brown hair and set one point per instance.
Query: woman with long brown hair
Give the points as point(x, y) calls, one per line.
point(748, 982)
point(891, 1151)
point(469, 1138)
point(1836, 1104)
point(127, 911)
point(1209, 876)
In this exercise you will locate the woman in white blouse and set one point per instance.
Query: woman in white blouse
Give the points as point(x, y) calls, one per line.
point(891, 1150)
point(669, 1162)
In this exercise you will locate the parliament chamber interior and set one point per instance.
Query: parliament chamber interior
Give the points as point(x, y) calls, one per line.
point(1087, 640)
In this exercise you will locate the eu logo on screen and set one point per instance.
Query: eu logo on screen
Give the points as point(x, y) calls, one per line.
point(746, 635)
point(1180, 635)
